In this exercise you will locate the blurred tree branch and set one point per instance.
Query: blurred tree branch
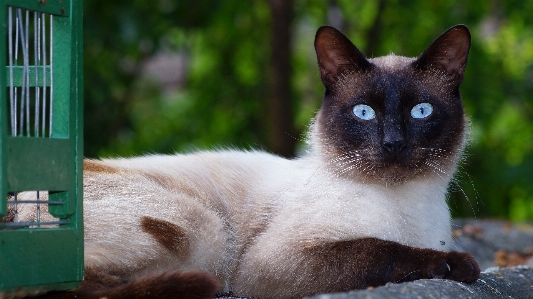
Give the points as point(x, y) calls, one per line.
point(373, 34)
point(279, 104)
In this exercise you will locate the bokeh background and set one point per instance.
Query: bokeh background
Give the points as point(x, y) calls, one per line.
point(167, 76)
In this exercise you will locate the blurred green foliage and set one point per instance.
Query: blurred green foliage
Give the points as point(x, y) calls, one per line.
point(221, 101)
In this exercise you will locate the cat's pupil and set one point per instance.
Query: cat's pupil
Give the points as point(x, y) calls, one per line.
point(364, 112)
point(422, 110)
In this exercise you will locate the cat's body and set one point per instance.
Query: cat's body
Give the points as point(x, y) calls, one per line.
point(238, 206)
point(366, 205)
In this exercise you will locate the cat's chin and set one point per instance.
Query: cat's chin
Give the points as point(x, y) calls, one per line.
point(376, 171)
point(390, 175)
point(393, 175)
point(397, 177)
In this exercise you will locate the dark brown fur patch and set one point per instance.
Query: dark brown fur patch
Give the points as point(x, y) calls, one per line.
point(361, 263)
point(97, 166)
point(10, 217)
point(169, 235)
point(175, 284)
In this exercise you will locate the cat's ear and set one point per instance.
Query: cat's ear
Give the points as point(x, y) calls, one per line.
point(336, 54)
point(448, 53)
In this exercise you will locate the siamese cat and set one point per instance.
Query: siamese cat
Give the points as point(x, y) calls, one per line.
point(366, 205)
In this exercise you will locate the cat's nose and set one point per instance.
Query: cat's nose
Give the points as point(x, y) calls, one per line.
point(394, 146)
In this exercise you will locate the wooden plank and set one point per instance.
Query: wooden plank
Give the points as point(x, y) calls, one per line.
point(39, 164)
point(55, 259)
point(55, 7)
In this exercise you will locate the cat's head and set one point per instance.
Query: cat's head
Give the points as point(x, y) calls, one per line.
point(391, 118)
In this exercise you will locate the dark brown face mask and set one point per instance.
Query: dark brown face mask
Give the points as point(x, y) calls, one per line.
point(402, 116)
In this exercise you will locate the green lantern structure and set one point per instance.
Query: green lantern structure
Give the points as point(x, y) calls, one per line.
point(41, 142)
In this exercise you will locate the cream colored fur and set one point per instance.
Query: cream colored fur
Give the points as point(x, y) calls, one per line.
point(247, 212)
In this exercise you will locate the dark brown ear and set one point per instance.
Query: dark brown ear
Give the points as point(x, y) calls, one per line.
point(449, 53)
point(336, 54)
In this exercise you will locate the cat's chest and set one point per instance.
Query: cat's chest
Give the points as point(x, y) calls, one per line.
point(415, 214)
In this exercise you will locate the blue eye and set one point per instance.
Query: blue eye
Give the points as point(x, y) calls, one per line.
point(364, 112)
point(422, 110)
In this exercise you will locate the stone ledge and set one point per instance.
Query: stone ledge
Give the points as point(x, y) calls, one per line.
point(515, 282)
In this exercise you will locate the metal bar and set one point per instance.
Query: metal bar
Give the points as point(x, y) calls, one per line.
point(15, 209)
point(26, 71)
point(51, 74)
point(15, 112)
point(38, 212)
point(33, 223)
point(23, 93)
point(12, 99)
point(44, 78)
point(37, 62)
point(48, 202)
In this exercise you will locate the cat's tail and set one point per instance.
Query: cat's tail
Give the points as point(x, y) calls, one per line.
point(176, 284)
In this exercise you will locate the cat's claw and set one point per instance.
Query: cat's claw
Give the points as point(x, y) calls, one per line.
point(462, 267)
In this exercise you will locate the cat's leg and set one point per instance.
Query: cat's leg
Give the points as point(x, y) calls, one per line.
point(143, 240)
point(270, 271)
point(174, 284)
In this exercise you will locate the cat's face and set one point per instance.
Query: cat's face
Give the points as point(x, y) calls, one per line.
point(392, 118)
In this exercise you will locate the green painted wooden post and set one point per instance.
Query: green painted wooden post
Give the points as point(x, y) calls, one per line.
point(42, 151)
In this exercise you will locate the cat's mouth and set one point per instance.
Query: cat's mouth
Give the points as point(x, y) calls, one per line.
point(395, 172)
point(407, 166)
point(392, 159)
point(392, 169)
point(388, 169)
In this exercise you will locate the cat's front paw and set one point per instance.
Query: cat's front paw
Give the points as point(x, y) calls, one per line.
point(462, 267)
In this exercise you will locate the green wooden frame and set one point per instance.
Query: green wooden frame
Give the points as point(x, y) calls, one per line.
point(34, 258)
